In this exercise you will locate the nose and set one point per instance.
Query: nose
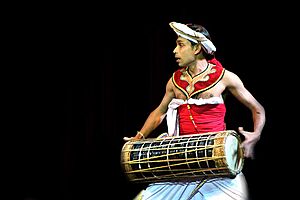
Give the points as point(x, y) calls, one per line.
point(174, 51)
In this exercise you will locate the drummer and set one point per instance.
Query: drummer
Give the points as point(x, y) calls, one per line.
point(193, 104)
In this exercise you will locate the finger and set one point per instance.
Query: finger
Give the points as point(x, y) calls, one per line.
point(127, 138)
point(243, 145)
point(242, 131)
point(249, 154)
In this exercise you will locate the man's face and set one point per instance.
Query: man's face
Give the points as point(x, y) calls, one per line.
point(184, 52)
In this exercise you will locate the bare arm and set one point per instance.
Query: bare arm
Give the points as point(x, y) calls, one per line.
point(236, 87)
point(157, 115)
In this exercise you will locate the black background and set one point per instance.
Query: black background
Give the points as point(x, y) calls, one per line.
point(81, 77)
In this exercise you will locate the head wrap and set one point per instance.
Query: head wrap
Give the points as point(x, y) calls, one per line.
point(194, 36)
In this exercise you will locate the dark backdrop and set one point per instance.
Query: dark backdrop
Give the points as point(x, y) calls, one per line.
point(86, 76)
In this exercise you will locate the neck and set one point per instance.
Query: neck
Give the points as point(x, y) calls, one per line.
point(198, 67)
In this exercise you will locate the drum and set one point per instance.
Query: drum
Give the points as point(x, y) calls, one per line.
point(183, 158)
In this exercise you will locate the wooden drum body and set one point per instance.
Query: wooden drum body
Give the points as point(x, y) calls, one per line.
point(183, 158)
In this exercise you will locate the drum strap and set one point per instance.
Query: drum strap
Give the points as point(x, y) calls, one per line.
point(197, 188)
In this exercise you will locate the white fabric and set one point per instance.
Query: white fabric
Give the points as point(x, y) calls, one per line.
point(188, 33)
point(215, 189)
point(175, 103)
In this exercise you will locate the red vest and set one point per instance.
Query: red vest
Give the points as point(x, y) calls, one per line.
point(203, 118)
point(201, 82)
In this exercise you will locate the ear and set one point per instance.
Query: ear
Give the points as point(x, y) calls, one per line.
point(197, 49)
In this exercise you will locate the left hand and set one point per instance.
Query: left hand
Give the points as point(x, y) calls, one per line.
point(251, 138)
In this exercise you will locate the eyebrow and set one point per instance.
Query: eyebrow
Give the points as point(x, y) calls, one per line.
point(180, 40)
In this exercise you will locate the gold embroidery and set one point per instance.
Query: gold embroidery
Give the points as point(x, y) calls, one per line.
point(202, 76)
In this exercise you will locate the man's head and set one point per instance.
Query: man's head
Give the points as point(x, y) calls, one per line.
point(196, 34)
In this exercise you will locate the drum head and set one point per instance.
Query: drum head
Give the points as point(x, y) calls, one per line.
point(234, 154)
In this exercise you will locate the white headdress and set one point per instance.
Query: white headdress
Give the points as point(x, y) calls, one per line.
point(188, 33)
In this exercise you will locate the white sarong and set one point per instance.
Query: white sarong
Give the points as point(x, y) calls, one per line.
point(214, 189)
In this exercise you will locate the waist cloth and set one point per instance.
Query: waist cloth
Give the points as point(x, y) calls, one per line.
point(208, 115)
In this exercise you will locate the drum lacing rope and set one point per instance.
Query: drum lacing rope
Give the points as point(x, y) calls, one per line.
point(197, 188)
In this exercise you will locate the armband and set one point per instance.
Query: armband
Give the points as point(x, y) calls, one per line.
point(141, 134)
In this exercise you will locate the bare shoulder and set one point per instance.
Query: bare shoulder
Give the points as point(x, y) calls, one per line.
point(170, 87)
point(230, 74)
point(231, 79)
point(170, 84)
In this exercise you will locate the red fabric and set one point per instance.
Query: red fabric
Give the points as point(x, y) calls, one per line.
point(182, 81)
point(208, 118)
point(216, 62)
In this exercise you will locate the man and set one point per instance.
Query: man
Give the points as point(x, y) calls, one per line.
point(193, 104)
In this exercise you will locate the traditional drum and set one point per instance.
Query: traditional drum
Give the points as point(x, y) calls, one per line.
point(183, 158)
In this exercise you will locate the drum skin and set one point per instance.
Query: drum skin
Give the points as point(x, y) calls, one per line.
point(183, 158)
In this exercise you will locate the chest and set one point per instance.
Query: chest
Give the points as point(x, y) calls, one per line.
point(205, 85)
point(215, 91)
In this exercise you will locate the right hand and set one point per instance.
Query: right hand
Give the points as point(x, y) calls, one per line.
point(136, 138)
point(128, 139)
